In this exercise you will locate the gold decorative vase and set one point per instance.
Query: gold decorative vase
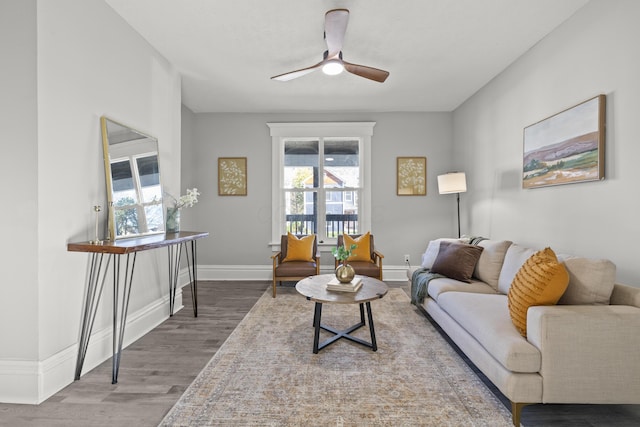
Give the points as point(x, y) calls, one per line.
point(345, 273)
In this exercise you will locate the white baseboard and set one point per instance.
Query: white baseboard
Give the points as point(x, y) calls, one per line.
point(19, 381)
point(33, 382)
point(264, 272)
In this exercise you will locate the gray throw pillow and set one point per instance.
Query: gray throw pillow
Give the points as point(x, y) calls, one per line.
point(591, 281)
point(456, 260)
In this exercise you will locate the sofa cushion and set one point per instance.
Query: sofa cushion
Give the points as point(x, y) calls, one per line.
point(486, 318)
point(432, 250)
point(490, 262)
point(540, 281)
point(365, 268)
point(446, 284)
point(514, 258)
point(591, 281)
point(294, 269)
point(456, 260)
point(625, 295)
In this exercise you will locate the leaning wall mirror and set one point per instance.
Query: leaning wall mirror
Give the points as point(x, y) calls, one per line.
point(134, 192)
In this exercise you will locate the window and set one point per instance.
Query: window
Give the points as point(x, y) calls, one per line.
point(136, 187)
point(321, 176)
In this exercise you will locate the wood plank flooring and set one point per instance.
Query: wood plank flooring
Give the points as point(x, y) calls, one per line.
point(156, 369)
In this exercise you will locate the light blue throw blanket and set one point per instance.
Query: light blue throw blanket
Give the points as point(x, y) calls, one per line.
point(419, 284)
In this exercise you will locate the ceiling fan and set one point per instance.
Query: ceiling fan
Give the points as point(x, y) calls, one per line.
point(335, 25)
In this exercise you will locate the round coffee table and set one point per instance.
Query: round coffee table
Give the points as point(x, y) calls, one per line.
point(314, 288)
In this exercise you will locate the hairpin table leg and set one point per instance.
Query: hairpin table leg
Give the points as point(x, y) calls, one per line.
point(95, 284)
point(120, 309)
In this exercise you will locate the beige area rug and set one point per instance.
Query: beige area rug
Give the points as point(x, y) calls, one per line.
point(266, 374)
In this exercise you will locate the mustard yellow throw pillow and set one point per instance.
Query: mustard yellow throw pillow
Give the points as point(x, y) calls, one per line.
point(363, 250)
point(540, 281)
point(299, 249)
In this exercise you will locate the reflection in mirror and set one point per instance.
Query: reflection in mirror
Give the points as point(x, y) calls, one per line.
point(134, 191)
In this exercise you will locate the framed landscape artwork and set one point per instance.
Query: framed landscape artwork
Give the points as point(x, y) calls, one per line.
point(411, 176)
point(232, 176)
point(567, 147)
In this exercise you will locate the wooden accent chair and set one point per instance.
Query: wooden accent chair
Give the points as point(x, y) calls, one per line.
point(372, 268)
point(286, 270)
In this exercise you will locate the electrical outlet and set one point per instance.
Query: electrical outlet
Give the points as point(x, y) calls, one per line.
point(407, 259)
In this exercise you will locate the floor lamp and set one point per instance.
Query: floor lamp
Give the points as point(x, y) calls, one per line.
point(453, 182)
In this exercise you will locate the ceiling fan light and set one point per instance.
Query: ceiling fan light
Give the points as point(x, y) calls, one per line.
point(333, 67)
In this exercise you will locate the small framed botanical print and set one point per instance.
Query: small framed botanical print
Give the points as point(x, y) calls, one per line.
point(232, 176)
point(411, 176)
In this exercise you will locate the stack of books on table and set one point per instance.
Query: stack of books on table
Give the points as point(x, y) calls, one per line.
point(336, 285)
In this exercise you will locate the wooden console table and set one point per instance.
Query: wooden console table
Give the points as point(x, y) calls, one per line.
point(175, 242)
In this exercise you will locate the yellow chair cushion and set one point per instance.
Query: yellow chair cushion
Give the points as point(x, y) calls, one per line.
point(540, 281)
point(299, 249)
point(363, 250)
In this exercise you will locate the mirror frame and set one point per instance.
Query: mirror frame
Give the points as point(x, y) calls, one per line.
point(140, 205)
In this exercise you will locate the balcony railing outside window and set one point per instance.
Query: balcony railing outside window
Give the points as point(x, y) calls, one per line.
point(336, 224)
point(341, 223)
point(301, 224)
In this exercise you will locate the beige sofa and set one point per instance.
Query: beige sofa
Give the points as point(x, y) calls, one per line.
point(582, 350)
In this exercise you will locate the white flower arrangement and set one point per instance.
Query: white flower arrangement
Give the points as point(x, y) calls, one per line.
point(187, 200)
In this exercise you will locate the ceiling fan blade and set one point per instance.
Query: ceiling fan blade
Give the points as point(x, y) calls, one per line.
point(366, 72)
point(335, 25)
point(297, 73)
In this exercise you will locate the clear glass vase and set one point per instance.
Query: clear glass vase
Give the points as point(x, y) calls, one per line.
point(173, 220)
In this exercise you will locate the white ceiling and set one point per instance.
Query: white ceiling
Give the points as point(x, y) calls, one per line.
point(438, 52)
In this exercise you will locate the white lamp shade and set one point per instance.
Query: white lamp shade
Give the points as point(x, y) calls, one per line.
point(454, 182)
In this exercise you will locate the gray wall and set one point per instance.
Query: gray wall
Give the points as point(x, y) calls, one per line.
point(240, 227)
point(66, 64)
point(18, 164)
point(595, 52)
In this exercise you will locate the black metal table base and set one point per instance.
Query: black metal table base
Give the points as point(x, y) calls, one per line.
point(122, 283)
point(120, 309)
point(175, 255)
point(121, 294)
point(346, 333)
point(95, 284)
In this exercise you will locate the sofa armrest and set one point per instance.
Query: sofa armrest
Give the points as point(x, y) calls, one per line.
point(589, 352)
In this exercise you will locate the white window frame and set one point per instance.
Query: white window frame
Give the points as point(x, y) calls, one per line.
point(283, 131)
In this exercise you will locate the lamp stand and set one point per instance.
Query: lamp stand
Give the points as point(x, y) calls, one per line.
point(458, 199)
